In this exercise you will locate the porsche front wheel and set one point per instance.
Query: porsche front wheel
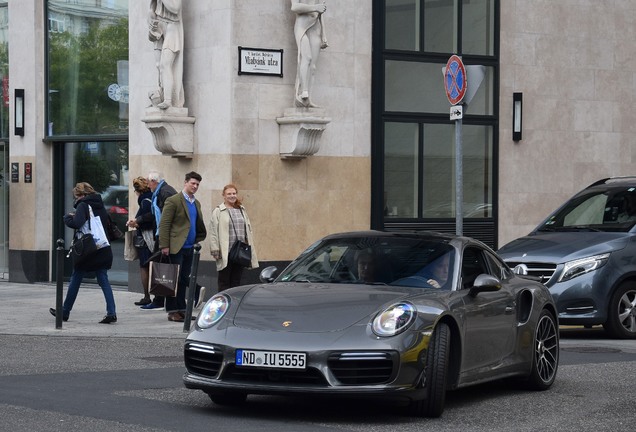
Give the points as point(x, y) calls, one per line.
point(436, 373)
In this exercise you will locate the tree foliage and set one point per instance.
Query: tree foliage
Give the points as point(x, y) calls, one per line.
point(81, 67)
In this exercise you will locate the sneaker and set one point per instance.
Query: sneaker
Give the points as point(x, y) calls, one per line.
point(144, 301)
point(109, 319)
point(151, 306)
point(201, 298)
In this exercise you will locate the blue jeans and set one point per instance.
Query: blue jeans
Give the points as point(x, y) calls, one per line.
point(74, 285)
point(184, 258)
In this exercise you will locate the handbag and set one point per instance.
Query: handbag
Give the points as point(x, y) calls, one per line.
point(164, 279)
point(114, 233)
point(83, 248)
point(149, 239)
point(130, 251)
point(240, 252)
point(138, 240)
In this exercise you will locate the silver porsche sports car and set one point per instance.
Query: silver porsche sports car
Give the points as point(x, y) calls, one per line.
point(392, 315)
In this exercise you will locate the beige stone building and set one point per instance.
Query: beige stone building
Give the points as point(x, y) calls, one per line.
point(381, 154)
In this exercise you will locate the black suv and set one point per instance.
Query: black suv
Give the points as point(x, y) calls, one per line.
point(585, 253)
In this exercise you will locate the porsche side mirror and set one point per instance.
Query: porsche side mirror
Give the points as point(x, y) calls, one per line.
point(485, 283)
point(268, 274)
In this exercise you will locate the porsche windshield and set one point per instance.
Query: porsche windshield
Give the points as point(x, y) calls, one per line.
point(375, 260)
point(596, 210)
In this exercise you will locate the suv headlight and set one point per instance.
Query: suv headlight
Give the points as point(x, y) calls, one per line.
point(581, 266)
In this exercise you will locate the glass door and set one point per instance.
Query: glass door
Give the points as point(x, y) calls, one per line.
point(4, 210)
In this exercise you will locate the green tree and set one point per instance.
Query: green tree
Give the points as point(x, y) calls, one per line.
point(81, 68)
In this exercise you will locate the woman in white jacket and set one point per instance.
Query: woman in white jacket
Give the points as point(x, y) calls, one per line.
point(229, 224)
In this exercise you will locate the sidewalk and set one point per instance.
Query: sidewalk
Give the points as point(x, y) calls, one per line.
point(24, 310)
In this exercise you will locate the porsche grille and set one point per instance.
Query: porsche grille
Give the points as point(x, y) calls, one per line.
point(202, 359)
point(362, 368)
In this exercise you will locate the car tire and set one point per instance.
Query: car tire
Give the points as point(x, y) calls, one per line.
point(436, 373)
point(621, 314)
point(545, 353)
point(228, 398)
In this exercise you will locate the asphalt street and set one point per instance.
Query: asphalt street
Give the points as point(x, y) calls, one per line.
point(127, 377)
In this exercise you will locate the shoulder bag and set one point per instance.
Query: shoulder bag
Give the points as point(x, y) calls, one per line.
point(240, 252)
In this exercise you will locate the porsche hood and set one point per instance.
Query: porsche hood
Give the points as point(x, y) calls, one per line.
point(313, 307)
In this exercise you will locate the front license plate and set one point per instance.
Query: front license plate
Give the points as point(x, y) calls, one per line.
point(271, 359)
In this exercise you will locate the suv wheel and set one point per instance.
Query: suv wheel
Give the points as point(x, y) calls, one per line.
point(621, 319)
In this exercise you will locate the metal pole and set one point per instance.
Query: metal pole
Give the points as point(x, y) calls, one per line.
point(191, 288)
point(59, 291)
point(459, 179)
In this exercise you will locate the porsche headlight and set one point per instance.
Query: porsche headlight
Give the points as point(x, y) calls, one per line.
point(213, 310)
point(579, 267)
point(394, 319)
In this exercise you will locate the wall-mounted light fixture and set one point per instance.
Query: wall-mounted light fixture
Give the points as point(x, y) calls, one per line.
point(517, 117)
point(18, 111)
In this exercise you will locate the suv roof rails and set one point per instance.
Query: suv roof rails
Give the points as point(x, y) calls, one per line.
point(611, 180)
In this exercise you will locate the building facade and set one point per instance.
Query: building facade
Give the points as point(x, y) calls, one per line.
point(380, 151)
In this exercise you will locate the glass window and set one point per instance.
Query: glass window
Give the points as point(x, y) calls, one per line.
point(415, 87)
point(401, 170)
point(478, 28)
point(88, 68)
point(477, 147)
point(4, 69)
point(440, 27)
point(438, 191)
point(439, 172)
point(104, 166)
point(402, 25)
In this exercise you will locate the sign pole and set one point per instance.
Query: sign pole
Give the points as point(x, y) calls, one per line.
point(456, 84)
point(459, 178)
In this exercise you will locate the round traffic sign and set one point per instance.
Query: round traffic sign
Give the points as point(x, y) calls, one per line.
point(455, 80)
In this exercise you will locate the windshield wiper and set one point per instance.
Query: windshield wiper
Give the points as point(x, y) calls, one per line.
point(579, 228)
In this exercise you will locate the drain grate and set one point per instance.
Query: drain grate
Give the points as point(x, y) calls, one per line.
point(164, 359)
point(592, 350)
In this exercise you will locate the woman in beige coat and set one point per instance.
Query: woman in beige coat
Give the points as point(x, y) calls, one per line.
point(229, 224)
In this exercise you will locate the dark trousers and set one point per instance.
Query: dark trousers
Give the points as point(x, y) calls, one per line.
point(184, 259)
point(230, 276)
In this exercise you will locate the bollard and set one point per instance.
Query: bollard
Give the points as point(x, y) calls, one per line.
point(59, 291)
point(191, 288)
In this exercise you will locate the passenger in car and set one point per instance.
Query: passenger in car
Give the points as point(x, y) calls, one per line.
point(436, 272)
point(629, 213)
point(365, 265)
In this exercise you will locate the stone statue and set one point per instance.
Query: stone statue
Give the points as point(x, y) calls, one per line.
point(166, 32)
point(309, 31)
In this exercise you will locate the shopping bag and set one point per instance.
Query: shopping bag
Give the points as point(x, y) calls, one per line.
point(241, 254)
point(164, 279)
point(83, 248)
point(94, 226)
point(130, 251)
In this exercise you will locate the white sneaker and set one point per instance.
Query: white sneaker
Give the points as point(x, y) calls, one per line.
point(201, 298)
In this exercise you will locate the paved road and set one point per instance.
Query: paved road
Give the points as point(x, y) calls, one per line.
point(127, 377)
